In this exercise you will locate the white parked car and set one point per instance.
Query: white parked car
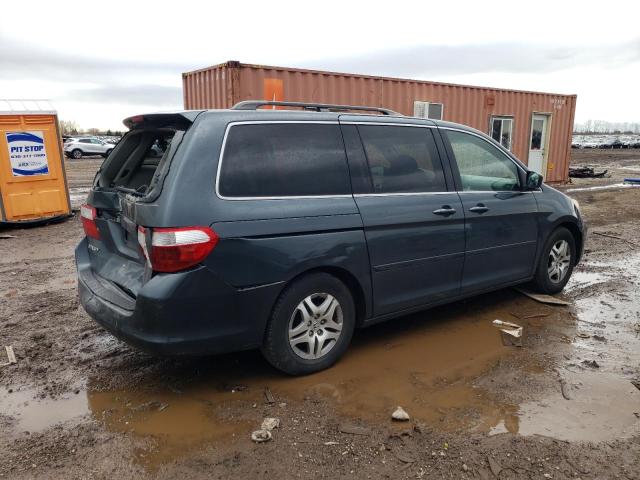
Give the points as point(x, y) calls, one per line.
point(83, 146)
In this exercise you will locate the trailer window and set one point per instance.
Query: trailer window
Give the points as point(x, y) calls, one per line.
point(430, 110)
point(502, 130)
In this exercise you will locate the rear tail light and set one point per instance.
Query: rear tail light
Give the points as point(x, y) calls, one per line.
point(88, 215)
point(175, 249)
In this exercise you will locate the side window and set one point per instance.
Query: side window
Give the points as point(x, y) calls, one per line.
point(402, 159)
point(280, 160)
point(85, 140)
point(482, 166)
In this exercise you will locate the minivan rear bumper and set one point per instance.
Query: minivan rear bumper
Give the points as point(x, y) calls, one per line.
point(186, 313)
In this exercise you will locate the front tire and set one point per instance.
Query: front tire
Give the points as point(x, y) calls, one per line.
point(556, 262)
point(311, 325)
point(77, 153)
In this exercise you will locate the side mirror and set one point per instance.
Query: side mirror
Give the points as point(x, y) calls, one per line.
point(533, 181)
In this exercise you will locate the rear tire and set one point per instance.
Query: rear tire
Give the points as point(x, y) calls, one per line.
point(311, 325)
point(556, 262)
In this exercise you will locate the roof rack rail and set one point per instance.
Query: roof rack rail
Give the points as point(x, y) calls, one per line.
point(317, 107)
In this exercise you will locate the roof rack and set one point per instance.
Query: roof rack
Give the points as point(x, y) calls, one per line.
point(317, 107)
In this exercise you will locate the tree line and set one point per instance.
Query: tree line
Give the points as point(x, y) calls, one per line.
point(603, 126)
point(71, 127)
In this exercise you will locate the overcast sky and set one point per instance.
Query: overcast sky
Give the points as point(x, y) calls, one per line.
point(102, 62)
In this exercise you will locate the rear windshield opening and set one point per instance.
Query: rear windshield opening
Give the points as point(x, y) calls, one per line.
point(137, 162)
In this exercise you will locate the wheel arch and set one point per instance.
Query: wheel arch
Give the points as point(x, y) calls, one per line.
point(578, 236)
point(346, 277)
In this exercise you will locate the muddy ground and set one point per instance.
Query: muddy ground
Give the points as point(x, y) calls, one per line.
point(80, 404)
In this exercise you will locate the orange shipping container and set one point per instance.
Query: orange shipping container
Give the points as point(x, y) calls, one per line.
point(536, 127)
point(33, 185)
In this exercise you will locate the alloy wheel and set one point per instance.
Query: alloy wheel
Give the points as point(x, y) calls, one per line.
point(559, 261)
point(315, 326)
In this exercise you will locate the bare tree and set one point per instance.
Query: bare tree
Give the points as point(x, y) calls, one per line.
point(69, 127)
point(603, 126)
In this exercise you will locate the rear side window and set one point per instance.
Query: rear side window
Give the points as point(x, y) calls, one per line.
point(284, 160)
point(402, 159)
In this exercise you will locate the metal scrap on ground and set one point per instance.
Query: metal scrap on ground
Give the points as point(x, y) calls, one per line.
point(585, 172)
point(10, 355)
point(268, 396)
point(542, 298)
point(510, 332)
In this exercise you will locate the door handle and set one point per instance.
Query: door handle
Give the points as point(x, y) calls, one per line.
point(446, 210)
point(480, 208)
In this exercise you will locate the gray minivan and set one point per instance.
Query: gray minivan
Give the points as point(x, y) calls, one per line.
point(285, 230)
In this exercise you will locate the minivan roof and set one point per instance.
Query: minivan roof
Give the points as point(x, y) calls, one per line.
point(186, 117)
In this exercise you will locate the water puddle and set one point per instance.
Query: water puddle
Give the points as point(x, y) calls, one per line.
point(32, 414)
point(426, 362)
point(175, 421)
point(429, 363)
point(601, 408)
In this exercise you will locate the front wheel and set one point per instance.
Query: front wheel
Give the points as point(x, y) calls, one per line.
point(556, 262)
point(77, 153)
point(311, 325)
